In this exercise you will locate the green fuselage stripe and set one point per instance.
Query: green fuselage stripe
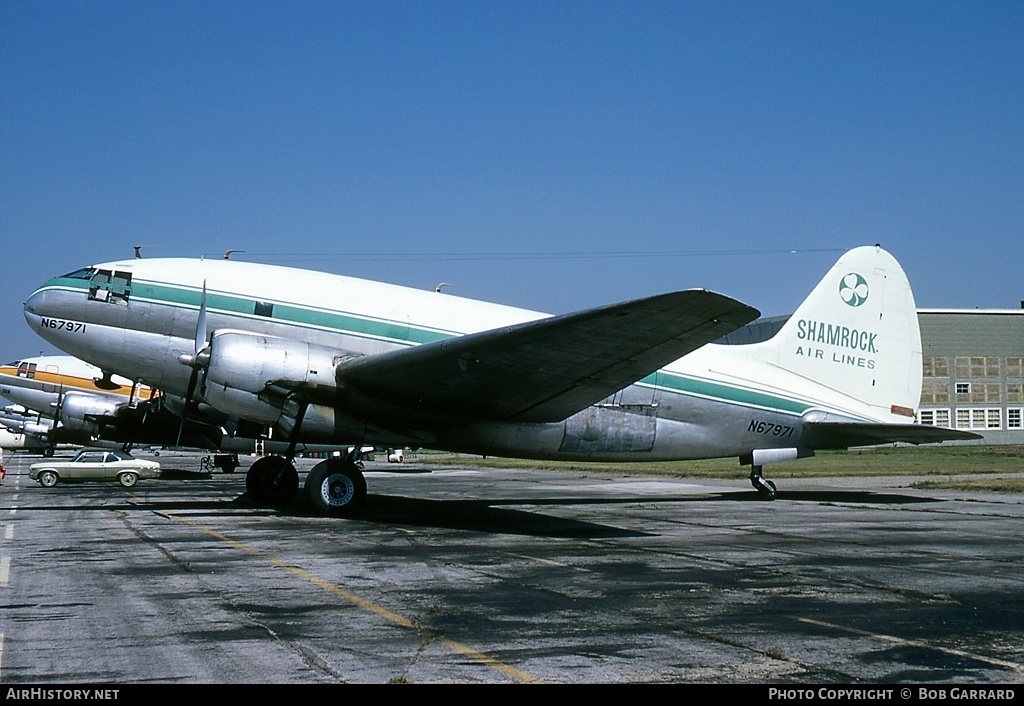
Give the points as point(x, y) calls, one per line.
point(407, 334)
point(683, 384)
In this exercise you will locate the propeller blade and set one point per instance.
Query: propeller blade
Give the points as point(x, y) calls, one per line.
point(56, 419)
point(201, 323)
point(193, 378)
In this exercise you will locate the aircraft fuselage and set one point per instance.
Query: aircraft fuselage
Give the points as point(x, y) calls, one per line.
point(138, 318)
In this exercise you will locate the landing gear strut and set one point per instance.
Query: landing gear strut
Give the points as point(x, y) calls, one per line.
point(765, 488)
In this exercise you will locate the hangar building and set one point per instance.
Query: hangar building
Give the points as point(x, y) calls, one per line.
point(973, 363)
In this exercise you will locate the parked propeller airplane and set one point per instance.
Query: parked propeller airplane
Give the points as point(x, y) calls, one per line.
point(13, 440)
point(59, 399)
point(341, 360)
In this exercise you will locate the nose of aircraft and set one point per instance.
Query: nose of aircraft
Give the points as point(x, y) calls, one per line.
point(35, 306)
point(56, 312)
point(48, 308)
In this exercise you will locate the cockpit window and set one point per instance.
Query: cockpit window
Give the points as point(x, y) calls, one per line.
point(26, 370)
point(111, 287)
point(84, 273)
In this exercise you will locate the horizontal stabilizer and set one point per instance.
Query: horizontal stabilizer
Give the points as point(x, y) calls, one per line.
point(549, 369)
point(843, 435)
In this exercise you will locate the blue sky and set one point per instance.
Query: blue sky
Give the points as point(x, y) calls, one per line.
point(550, 155)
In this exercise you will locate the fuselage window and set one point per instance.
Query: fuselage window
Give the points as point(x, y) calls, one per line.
point(264, 309)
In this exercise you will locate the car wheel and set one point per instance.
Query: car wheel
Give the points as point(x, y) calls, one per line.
point(47, 479)
point(128, 479)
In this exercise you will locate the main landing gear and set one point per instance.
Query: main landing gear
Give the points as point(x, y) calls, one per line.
point(765, 488)
point(335, 487)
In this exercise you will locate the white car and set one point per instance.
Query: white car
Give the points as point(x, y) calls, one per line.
point(95, 464)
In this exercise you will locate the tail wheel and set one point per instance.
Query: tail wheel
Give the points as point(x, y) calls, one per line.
point(764, 487)
point(767, 491)
point(272, 480)
point(336, 487)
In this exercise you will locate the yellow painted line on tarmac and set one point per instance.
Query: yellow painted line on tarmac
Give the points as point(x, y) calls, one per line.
point(917, 643)
point(402, 621)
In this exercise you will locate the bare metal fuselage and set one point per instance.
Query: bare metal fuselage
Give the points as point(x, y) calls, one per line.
point(684, 411)
point(851, 355)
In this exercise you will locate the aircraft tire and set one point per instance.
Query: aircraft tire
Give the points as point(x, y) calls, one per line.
point(336, 488)
point(272, 480)
point(767, 491)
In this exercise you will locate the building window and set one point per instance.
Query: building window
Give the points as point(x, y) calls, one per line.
point(1015, 366)
point(963, 388)
point(934, 392)
point(963, 419)
point(982, 392)
point(935, 367)
point(979, 418)
point(993, 419)
point(1015, 392)
point(935, 417)
point(978, 366)
point(1013, 418)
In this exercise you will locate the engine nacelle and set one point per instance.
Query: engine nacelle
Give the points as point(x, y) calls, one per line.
point(36, 429)
point(247, 374)
point(83, 413)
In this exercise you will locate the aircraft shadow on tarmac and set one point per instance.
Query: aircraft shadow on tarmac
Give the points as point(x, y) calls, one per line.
point(497, 515)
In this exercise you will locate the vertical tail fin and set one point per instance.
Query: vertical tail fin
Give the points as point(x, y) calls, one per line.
point(857, 335)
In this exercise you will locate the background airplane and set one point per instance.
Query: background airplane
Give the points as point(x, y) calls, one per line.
point(329, 359)
point(62, 400)
point(16, 441)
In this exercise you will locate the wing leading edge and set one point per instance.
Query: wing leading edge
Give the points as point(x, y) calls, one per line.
point(546, 370)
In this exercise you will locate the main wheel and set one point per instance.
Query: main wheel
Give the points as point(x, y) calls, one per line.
point(47, 479)
point(128, 479)
point(272, 480)
point(336, 487)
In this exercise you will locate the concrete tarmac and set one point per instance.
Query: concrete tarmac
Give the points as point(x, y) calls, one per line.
point(456, 575)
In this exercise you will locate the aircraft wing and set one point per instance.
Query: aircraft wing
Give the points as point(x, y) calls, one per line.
point(843, 435)
point(546, 370)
